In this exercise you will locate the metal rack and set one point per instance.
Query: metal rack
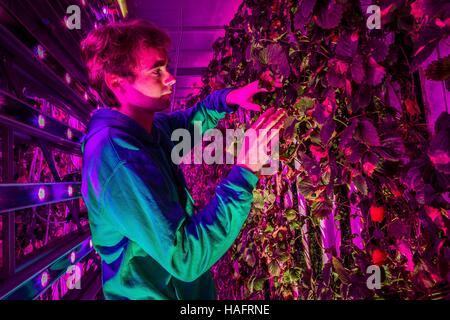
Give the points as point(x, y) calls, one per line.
point(24, 81)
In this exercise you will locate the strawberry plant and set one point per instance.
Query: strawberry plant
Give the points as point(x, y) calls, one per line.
point(361, 180)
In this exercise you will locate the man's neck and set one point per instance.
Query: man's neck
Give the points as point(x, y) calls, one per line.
point(143, 117)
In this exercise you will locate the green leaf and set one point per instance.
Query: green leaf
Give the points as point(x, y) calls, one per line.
point(284, 258)
point(258, 284)
point(343, 273)
point(274, 268)
point(304, 103)
point(258, 200)
point(290, 214)
point(298, 272)
point(360, 184)
point(250, 258)
point(287, 276)
point(270, 197)
point(292, 275)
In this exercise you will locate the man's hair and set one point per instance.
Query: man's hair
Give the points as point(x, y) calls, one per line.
point(112, 49)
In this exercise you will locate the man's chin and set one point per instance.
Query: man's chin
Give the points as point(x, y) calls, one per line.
point(165, 102)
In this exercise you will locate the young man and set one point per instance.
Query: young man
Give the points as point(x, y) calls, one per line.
point(141, 215)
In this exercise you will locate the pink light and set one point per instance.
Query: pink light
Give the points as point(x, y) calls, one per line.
point(41, 121)
point(69, 134)
point(68, 78)
point(86, 97)
point(41, 193)
point(44, 278)
point(90, 243)
point(70, 191)
point(40, 52)
point(72, 257)
point(83, 2)
point(105, 10)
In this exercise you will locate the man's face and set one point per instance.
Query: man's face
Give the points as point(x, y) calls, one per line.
point(153, 83)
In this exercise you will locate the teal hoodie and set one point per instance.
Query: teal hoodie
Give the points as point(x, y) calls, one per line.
point(152, 242)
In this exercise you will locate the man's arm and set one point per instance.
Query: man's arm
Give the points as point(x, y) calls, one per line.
point(215, 106)
point(185, 246)
point(208, 111)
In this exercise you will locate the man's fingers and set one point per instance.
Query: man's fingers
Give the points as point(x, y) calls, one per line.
point(272, 133)
point(278, 83)
point(279, 115)
point(252, 107)
point(255, 85)
point(266, 114)
point(275, 130)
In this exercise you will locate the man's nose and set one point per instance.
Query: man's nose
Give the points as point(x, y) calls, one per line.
point(170, 80)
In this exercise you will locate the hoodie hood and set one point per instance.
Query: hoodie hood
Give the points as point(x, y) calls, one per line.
point(109, 118)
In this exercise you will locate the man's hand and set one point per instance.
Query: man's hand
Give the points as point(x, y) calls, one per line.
point(252, 155)
point(243, 96)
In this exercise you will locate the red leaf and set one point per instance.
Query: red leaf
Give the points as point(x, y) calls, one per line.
point(358, 72)
point(411, 107)
point(375, 72)
point(368, 133)
point(404, 249)
point(347, 46)
point(330, 15)
point(317, 152)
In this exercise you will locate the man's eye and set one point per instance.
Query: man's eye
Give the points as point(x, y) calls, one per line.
point(157, 72)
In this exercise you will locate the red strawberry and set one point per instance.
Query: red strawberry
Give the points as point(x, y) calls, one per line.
point(378, 257)
point(369, 168)
point(276, 24)
point(266, 76)
point(377, 213)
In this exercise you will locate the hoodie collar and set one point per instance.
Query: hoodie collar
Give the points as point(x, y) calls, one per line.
point(106, 117)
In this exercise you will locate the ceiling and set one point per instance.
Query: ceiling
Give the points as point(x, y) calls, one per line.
point(193, 26)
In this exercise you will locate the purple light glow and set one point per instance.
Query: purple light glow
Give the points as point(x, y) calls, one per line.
point(41, 193)
point(72, 257)
point(68, 78)
point(44, 278)
point(41, 121)
point(69, 134)
point(40, 52)
point(70, 191)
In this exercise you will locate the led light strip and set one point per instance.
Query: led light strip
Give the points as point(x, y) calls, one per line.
point(40, 281)
point(17, 196)
point(14, 109)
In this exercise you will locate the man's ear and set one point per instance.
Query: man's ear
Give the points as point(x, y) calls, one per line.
point(114, 82)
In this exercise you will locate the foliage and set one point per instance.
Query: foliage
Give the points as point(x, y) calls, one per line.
point(356, 121)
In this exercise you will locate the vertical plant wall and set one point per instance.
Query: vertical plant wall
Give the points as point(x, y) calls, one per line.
point(361, 181)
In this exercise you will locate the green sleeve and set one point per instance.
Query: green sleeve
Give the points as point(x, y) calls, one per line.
point(185, 246)
point(208, 112)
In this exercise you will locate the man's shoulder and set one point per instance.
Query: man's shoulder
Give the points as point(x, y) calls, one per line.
point(127, 148)
point(114, 146)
